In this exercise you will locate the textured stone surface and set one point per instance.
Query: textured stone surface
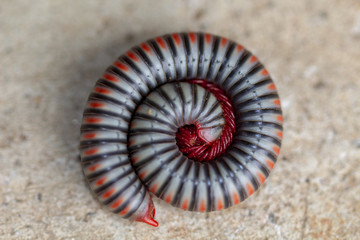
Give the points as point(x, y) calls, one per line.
point(52, 52)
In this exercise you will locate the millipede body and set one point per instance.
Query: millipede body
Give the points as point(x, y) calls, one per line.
point(193, 118)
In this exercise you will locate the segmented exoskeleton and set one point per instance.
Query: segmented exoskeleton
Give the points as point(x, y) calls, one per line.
point(130, 129)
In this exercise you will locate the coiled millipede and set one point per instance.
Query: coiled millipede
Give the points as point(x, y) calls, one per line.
point(193, 118)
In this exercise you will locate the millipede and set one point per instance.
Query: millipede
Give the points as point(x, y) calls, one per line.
point(192, 118)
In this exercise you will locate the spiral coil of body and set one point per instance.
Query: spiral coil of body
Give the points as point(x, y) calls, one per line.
point(132, 118)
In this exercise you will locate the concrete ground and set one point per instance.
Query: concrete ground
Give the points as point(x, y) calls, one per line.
point(52, 52)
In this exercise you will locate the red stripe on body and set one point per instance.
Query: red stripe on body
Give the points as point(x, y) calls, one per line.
point(93, 120)
point(121, 65)
point(132, 56)
point(192, 37)
point(100, 181)
point(110, 77)
point(176, 38)
point(250, 189)
point(89, 135)
point(207, 38)
point(161, 42)
point(91, 151)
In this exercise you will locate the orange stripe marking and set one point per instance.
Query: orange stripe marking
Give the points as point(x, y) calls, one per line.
point(100, 181)
point(176, 38)
point(110, 77)
point(276, 150)
point(91, 151)
point(93, 120)
point(261, 178)
point(132, 56)
point(277, 102)
point(236, 198)
point(89, 135)
point(135, 159)
point(280, 134)
point(168, 198)
point(250, 189)
point(145, 47)
point(270, 164)
point(220, 205)
point(121, 66)
point(123, 212)
point(239, 48)
point(96, 104)
point(94, 167)
point(264, 72)
point(185, 204)
point(202, 206)
point(117, 203)
point(253, 59)
point(102, 90)
point(207, 38)
point(108, 193)
point(142, 174)
point(154, 188)
point(192, 37)
point(161, 42)
point(223, 42)
point(279, 118)
point(272, 87)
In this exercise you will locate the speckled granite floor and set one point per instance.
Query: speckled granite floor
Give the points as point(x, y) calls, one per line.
point(52, 52)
